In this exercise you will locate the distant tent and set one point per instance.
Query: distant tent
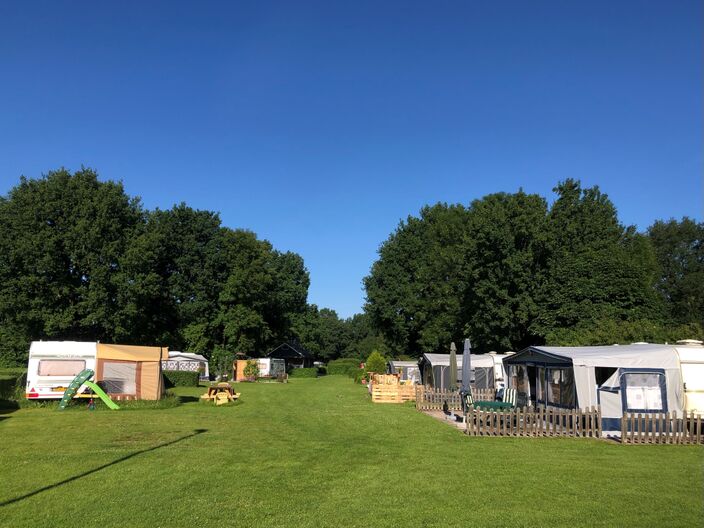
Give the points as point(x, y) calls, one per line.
point(187, 361)
point(293, 354)
point(435, 370)
point(408, 370)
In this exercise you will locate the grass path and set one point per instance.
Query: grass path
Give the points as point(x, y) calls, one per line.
point(317, 453)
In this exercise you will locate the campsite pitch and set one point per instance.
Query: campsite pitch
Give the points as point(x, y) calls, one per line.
point(317, 452)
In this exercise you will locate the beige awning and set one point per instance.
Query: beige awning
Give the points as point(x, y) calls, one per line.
point(132, 353)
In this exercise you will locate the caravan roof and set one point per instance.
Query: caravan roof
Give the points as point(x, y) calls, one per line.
point(443, 360)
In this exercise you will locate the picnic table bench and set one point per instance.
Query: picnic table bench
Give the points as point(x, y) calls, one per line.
point(220, 393)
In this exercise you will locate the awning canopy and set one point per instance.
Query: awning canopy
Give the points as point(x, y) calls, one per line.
point(131, 353)
point(643, 356)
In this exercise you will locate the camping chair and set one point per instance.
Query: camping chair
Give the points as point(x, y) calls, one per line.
point(511, 396)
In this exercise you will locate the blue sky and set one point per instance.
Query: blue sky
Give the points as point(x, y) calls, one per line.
point(319, 125)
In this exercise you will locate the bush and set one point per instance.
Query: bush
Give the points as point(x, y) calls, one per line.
point(375, 363)
point(304, 373)
point(251, 369)
point(181, 378)
point(344, 366)
point(358, 375)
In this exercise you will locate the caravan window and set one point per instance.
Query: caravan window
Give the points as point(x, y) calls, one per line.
point(644, 391)
point(61, 367)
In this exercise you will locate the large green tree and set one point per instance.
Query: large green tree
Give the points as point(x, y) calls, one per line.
point(61, 242)
point(508, 271)
point(415, 288)
point(679, 248)
point(79, 259)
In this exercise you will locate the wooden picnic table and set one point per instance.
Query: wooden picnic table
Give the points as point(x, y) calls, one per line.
point(220, 388)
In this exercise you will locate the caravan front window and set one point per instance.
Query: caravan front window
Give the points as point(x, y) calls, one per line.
point(644, 391)
point(61, 367)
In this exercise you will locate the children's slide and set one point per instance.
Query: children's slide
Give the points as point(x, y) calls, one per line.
point(83, 379)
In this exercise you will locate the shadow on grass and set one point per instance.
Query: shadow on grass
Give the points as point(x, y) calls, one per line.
point(196, 432)
point(188, 399)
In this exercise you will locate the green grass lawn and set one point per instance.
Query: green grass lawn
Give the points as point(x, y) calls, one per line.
point(317, 452)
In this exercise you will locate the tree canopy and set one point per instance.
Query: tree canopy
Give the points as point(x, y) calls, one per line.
point(511, 271)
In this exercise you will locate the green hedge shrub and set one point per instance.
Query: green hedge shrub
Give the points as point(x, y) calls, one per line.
point(304, 373)
point(375, 363)
point(344, 366)
point(181, 378)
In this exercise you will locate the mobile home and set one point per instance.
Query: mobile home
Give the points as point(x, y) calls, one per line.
point(123, 371)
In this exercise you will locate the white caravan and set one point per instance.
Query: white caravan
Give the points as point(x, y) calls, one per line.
point(53, 365)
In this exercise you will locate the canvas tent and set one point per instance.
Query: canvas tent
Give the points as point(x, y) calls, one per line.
point(435, 370)
point(645, 378)
point(408, 370)
point(187, 361)
point(123, 371)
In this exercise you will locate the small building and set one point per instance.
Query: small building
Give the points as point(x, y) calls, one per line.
point(293, 354)
point(407, 370)
point(189, 362)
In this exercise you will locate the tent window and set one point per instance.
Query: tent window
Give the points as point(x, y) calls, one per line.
point(61, 367)
point(560, 387)
point(120, 377)
point(519, 380)
point(643, 391)
point(602, 374)
point(484, 377)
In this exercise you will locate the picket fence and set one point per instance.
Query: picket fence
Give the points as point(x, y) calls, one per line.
point(662, 428)
point(549, 422)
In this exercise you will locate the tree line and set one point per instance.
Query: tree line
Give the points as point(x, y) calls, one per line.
point(82, 260)
point(509, 271)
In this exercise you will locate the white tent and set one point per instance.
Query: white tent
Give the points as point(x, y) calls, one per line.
point(644, 378)
point(187, 361)
point(435, 370)
point(408, 370)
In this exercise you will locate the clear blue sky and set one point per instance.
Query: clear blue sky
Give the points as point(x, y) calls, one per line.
point(319, 125)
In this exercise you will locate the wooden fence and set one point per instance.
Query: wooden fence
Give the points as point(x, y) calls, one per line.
point(393, 393)
point(661, 428)
point(548, 422)
point(428, 399)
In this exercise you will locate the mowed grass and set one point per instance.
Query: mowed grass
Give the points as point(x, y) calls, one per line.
point(317, 452)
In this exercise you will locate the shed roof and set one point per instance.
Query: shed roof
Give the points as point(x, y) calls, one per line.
point(295, 349)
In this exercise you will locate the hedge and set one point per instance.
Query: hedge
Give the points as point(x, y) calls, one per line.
point(304, 373)
point(181, 378)
point(344, 366)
